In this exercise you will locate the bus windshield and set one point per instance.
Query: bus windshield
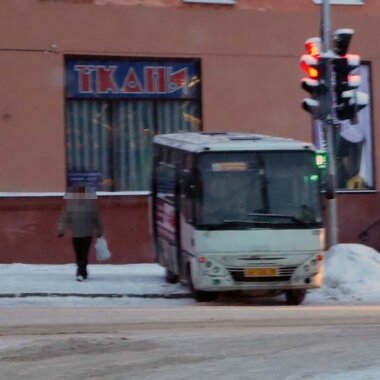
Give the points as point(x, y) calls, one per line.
point(258, 190)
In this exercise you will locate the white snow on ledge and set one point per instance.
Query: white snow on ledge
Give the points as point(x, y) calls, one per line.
point(229, 2)
point(61, 194)
point(342, 2)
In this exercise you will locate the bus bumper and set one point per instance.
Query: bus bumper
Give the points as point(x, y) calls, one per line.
point(218, 278)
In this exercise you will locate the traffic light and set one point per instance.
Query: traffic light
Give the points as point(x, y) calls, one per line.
point(349, 101)
point(314, 66)
point(321, 161)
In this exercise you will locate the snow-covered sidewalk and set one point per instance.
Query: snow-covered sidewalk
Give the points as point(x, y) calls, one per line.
point(352, 276)
point(134, 280)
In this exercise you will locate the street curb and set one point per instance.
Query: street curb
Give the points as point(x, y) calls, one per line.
point(96, 295)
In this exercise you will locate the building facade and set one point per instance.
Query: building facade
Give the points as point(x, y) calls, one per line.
point(86, 84)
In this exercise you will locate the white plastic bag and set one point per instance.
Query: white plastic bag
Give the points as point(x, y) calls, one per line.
point(101, 249)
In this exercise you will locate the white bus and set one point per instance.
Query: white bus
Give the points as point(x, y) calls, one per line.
point(237, 212)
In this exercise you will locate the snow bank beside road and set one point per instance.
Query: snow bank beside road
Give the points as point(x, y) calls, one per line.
point(352, 275)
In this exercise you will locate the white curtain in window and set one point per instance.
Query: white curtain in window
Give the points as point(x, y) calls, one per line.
point(114, 137)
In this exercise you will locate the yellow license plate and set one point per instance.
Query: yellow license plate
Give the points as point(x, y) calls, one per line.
point(255, 272)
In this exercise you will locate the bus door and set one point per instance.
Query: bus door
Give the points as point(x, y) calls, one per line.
point(186, 210)
point(166, 215)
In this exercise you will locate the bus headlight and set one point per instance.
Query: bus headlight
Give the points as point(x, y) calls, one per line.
point(212, 268)
point(308, 270)
point(313, 265)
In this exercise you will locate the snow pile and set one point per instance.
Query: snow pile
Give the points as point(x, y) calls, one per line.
point(352, 275)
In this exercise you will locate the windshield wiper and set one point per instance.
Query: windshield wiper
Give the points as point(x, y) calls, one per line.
point(291, 217)
point(233, 223)
point(242, 221)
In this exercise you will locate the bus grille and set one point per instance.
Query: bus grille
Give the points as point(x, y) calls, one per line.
point(284, 274)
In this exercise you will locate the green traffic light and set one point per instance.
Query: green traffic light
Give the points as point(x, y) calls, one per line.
point(321, 159)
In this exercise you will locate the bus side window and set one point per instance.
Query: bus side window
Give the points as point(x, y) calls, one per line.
point(166, 182)
point(171, 157)
point(157, 153)
point(186, 188)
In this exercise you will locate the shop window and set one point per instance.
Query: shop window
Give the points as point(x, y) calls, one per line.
point(111, 118)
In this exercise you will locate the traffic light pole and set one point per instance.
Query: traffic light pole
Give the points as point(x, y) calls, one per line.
point(331, 172)
point(328, 128)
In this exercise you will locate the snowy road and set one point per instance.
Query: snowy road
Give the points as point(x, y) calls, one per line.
point(187, 342)
point(155, 331)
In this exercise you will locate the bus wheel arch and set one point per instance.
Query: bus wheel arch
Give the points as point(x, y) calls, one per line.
point(198, 295)
point(295, 296)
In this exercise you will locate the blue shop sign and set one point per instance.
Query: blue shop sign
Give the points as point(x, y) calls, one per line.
point(92, 180)
point(132, 79)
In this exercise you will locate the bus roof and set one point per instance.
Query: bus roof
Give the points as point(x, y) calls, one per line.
point(228, 141)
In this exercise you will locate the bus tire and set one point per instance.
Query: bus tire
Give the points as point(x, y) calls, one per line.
point(170, 277)
point(295, 296)
point(200, 295)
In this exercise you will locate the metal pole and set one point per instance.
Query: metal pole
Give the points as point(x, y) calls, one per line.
point(326, 21)
point(333, 209)
point(328, 126)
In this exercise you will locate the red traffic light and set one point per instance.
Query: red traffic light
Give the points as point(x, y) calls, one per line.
point(315, 66)
point(310, 64)
point(313, 46)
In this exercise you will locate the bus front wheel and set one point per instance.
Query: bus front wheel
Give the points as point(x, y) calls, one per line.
point(200, 295)
point(295, 296)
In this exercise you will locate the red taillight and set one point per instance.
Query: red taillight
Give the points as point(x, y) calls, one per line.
point(319, 258)
point(201, 260)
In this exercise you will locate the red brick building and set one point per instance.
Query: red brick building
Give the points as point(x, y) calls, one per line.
point(85, 84)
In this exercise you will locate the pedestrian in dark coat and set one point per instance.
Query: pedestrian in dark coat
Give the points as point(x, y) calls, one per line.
point(82, 217)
